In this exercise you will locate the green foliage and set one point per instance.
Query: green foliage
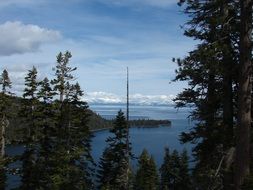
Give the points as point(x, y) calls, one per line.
point(114, 168)
point(31, 84)
point(165, 171)
point(47, 135)
point(5, 81)
point(63, 74)
point(185, 178)
point(56, 133)
point(4, 123)
point(30, 113)
point(71, 158)
point(146, 175)
point(211, 72)
point(175, 171)
point(149, 123)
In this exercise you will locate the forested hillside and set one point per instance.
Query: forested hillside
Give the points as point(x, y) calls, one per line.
point(15, 131)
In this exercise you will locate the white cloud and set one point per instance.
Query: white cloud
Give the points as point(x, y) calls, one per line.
point(140, 99)
point(18, 38)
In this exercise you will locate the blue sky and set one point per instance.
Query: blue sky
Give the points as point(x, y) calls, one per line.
point(104, 36)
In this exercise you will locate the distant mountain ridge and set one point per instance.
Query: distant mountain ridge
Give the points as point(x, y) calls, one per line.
point(135, 99)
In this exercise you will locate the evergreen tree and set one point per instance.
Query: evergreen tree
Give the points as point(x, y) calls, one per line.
point(5, 84)
point(175, 169)
point(211, 69)
point(146, 175)
point(112, 173)
point(185, 178)
point(62, 73)
point(47, 135)
point(4, 122)
point(79, 140)
point(29, 112)
point(165, 171)
point(71, 159)
point(61, 158)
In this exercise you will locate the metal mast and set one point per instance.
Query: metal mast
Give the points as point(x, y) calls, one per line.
point(127, 114)
point(127, 140)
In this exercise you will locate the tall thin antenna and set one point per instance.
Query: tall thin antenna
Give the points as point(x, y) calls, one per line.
point(127, 140)
point(127, 95)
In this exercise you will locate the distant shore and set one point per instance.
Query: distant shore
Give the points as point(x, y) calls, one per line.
point(140, 123)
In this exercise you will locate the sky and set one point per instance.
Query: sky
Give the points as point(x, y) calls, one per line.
point(104, 37)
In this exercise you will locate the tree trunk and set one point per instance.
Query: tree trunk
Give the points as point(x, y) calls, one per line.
point(242, 161)
point(228, 96)
point(3, 136)
point(227, 117)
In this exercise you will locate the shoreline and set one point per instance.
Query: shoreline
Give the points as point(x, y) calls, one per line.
point(144, 127)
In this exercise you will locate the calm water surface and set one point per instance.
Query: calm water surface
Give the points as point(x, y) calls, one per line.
point(152, 139)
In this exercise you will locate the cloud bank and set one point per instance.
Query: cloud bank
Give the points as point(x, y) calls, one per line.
point(20, 38)
point(138, 99)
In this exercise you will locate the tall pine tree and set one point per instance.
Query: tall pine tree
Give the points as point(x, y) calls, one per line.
point(211, 69)
point(29, 112)
point(112, 173)
point(4, 122)
point(47, 136)
point(71, 159)
point(165, 171)
point(146, 175)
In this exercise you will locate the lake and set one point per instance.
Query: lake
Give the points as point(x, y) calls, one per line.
point(152, 139)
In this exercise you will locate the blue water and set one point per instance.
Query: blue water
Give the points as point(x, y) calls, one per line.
point(152, 139)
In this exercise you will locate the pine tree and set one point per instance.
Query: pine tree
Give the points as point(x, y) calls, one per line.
point(211, 69)
point(71, 159)
point(4, 104)
point(79, 140)
point(30, 102)
point(62, 73)
point(61, 158)
point(175, 169)
point(146, 175)
point(6, 84)
point(47, 135)
point(112, 173)
point(29, 112)
point(185, 178)
point(165, 171)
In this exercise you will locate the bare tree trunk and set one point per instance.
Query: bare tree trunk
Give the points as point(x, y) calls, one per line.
point(227, 118)
point(242, 160)
point(228, 99)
